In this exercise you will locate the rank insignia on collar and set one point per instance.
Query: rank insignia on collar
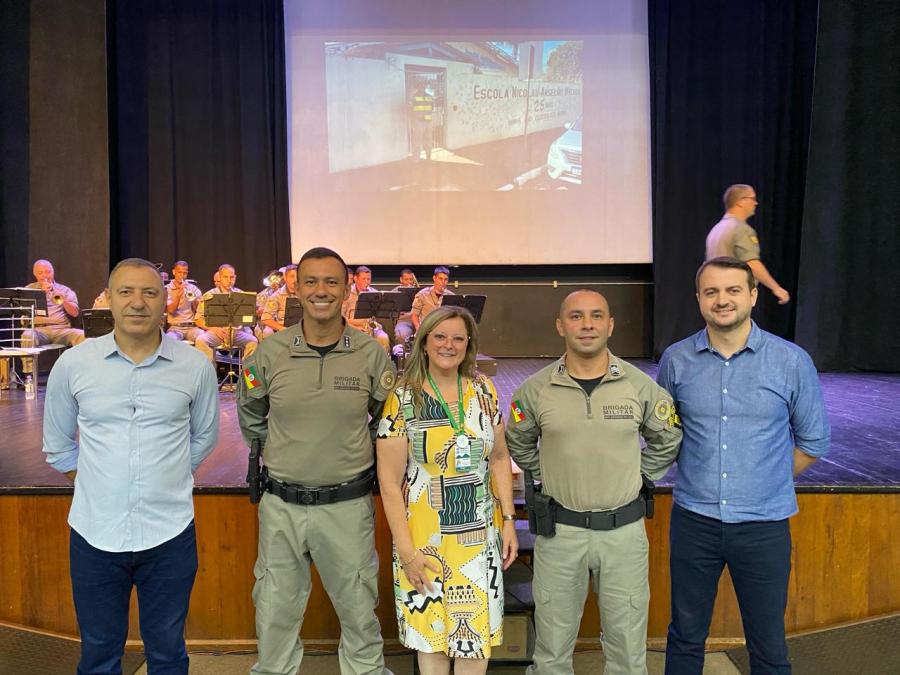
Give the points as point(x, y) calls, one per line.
point(347, 341)
point(614, 370)
point(298, 341)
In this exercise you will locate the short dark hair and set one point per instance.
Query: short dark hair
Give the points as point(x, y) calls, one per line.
point(288, 268)
point(726, 262)
point(440, 269)
point(181, 263)
point(363, 268)
point(321, 252)
point(406, 270)
point(135, 262)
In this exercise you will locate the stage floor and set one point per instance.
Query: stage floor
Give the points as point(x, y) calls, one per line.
point(864, 457)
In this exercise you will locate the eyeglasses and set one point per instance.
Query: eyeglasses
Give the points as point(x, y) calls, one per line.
point(455, 340)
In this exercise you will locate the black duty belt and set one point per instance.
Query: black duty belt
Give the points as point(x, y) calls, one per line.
point(603, 520)
point(327, 494)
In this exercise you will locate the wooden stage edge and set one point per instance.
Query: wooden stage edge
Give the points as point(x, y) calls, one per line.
point(844, 562)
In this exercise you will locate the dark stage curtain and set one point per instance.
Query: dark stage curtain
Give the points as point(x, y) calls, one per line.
point(731, 88)
point(850, 257)
point(14, 136)
point(198, 134)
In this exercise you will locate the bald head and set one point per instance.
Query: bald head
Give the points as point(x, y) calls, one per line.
point(579, 297)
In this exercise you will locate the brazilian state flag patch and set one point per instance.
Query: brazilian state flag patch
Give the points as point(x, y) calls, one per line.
point(251, 379)
point(516, 412)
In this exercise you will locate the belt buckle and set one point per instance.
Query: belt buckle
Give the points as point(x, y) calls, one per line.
point(307, 497)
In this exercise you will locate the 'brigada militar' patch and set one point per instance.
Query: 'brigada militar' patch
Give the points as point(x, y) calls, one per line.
point(250, 377)
point(516, 412)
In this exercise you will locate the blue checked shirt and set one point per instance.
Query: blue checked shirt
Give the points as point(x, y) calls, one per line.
point(742, 418)
point(142, 429)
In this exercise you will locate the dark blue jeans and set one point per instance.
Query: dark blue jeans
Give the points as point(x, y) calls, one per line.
point(758, 555)
point(101, 586)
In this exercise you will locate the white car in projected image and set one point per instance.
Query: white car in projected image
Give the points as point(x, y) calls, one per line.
point(564, 156)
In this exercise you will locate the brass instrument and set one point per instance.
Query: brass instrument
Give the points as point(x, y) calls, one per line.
point(273, 279)
point(56, 297)
point(191, 296)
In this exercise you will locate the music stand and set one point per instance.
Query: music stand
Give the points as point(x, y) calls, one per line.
point(18, 307)
point(473, 303)
point(411, 291)
point(19, 297)
point(293, 312)
point(378, 305)
point(97, 322)
point(230, 310)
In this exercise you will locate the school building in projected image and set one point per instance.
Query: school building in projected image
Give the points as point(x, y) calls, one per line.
point(388, 102)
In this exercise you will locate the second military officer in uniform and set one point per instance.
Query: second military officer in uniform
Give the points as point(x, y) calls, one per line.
point(588, 411)
point(308, 392)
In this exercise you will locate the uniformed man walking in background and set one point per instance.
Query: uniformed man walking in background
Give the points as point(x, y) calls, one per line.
point(308, 393)
point(588, 410)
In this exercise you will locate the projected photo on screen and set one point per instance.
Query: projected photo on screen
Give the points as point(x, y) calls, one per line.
point(454, 115)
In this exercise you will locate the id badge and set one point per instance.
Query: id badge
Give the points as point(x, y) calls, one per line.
point(464, 454)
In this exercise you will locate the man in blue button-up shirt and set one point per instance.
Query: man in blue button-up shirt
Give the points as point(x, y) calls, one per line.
point(753, 418)
point(145, 410)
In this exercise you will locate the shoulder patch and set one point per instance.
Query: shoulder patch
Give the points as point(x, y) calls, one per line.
point(662, 411)
point(387, 379)
point(516, 413)
point(754, 239)
point(251, 379)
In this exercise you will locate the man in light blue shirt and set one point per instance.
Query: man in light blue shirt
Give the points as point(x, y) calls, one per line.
point(753, 418)
point(129, 416)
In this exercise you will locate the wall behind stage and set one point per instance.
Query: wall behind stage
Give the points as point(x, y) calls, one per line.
point(56, 177)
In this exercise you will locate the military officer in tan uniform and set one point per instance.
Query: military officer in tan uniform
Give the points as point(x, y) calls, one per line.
point(588, 411)
point(272, 319)
point(314, 393)
point(732, 237)
point(182, 301)
point(363, 284)
point(213, 336)
point(429, 298)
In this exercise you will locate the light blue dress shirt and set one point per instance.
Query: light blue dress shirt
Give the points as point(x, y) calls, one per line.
point(142, 430)
point(742, 417)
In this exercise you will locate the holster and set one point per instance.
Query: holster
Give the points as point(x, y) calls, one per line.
point(541, 509)
point(255, 478)
point(647, 489)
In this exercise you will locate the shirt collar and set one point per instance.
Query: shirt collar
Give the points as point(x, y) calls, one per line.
point(165, 350)
point(348, 342)
point(614, 370)
point(754, 340)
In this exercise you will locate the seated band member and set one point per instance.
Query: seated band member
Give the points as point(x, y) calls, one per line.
point(272, 282)
point(216, 336)
point(429, 298)
point(272, 319)
point(404, 329)
point(182, 300)
point(348, 308)
point(62, 305)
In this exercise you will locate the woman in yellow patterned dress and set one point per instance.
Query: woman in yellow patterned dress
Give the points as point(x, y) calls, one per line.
point(446, 486)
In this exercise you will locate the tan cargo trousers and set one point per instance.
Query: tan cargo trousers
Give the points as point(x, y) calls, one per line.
point(340, 540)
point(617, 561)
